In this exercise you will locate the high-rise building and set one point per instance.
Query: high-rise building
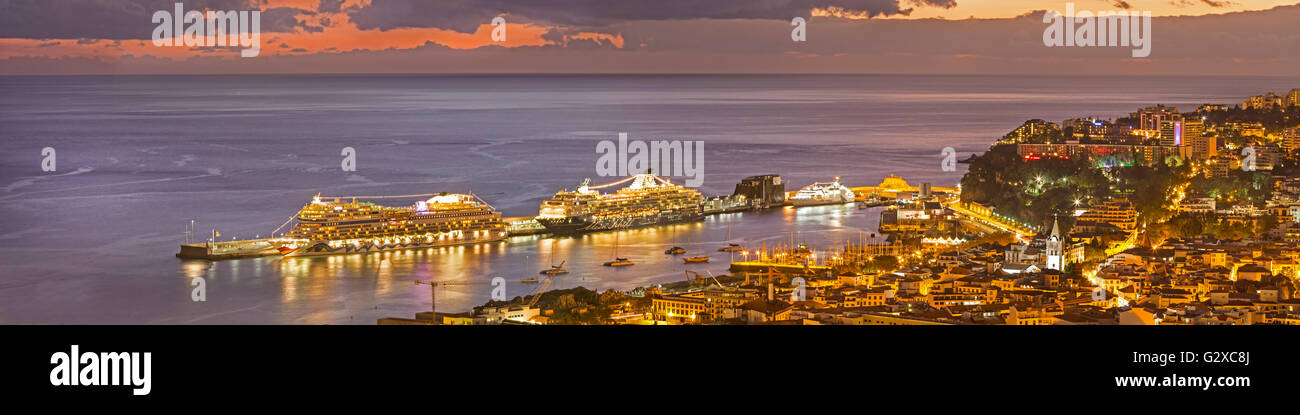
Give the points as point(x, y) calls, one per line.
point(1293, 98)
point(1194, 136)
point(1203, 147)
point(1267, 156)
point(1291, 139)
point(1193, 128)
point(1150, 118)
point(1171, 133)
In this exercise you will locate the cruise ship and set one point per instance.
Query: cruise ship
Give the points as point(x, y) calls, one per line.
point(832, 193)
point(648, 200)
point(329, 227)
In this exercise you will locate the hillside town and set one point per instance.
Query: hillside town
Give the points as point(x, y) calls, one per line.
point(1162, 217)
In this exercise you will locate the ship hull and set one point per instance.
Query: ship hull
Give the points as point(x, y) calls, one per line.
point(572, 225)
point(323, 249)
point(838, 200)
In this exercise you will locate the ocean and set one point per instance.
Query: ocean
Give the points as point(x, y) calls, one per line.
point(139, 157)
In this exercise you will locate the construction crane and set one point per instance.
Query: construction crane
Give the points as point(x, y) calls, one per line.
point(541, 288)
point(698, 277)
point(433, 290)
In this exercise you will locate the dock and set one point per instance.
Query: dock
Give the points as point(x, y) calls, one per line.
point(250, 248)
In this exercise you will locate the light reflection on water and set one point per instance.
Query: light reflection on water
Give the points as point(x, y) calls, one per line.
point(357, 289)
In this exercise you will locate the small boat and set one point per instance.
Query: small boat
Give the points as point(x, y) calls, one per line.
point(731, 247)
point(555, 269)
point(529, 280)
point(696, 259)
point(619, 262)
point(676, 250)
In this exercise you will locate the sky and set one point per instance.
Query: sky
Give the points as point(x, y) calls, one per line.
point(1189, 37)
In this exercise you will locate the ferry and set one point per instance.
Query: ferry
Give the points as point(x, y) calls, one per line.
point(820, 193)
point(648, 200)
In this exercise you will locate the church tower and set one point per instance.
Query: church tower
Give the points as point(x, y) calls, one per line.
point(1055, 254)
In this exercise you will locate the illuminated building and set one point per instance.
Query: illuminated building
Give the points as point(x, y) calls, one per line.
point(1032, 130)
point(1171, 133)
point(703, 306)
point(1055, 253)
point(893, 186)
point(676, 308)
point(1105, 155)
point(1266, 101)
point(763, 191)
point(1211, 108)
point(1291, 139)
point(1151, 118)
point(1203, 147)
point(1118, 212)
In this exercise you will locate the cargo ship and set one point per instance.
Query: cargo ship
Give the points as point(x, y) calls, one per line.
point(648, 200)
point(816, 194)
point(329, 227)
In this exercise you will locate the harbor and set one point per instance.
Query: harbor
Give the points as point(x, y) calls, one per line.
point(753, 194)
point(759, 235)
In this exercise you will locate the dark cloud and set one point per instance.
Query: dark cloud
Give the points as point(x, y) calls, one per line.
point(330, 6)
point(1121, 4)
point(283, 19)
point(466, 15)
point(117, 19)
point(105, 19)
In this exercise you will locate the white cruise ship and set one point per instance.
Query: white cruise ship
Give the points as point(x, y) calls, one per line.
point(832, 193)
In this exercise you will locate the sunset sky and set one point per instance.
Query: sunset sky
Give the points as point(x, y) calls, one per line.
point(1191, 37)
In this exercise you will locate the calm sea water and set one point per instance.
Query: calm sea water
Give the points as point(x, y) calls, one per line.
point(139, 157)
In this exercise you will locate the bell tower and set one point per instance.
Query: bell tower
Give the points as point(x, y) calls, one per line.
point(1055, 254)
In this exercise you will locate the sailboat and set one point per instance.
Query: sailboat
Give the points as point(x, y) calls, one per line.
point(731, 247)
point(555, 269)
point(700, 258)
point(618, 262)
point(675, 250)
point(527, 280)
point(696, 259)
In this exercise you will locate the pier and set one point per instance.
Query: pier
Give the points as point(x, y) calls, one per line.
point(249, 248)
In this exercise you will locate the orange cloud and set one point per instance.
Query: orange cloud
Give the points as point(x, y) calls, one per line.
point(338, 34)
